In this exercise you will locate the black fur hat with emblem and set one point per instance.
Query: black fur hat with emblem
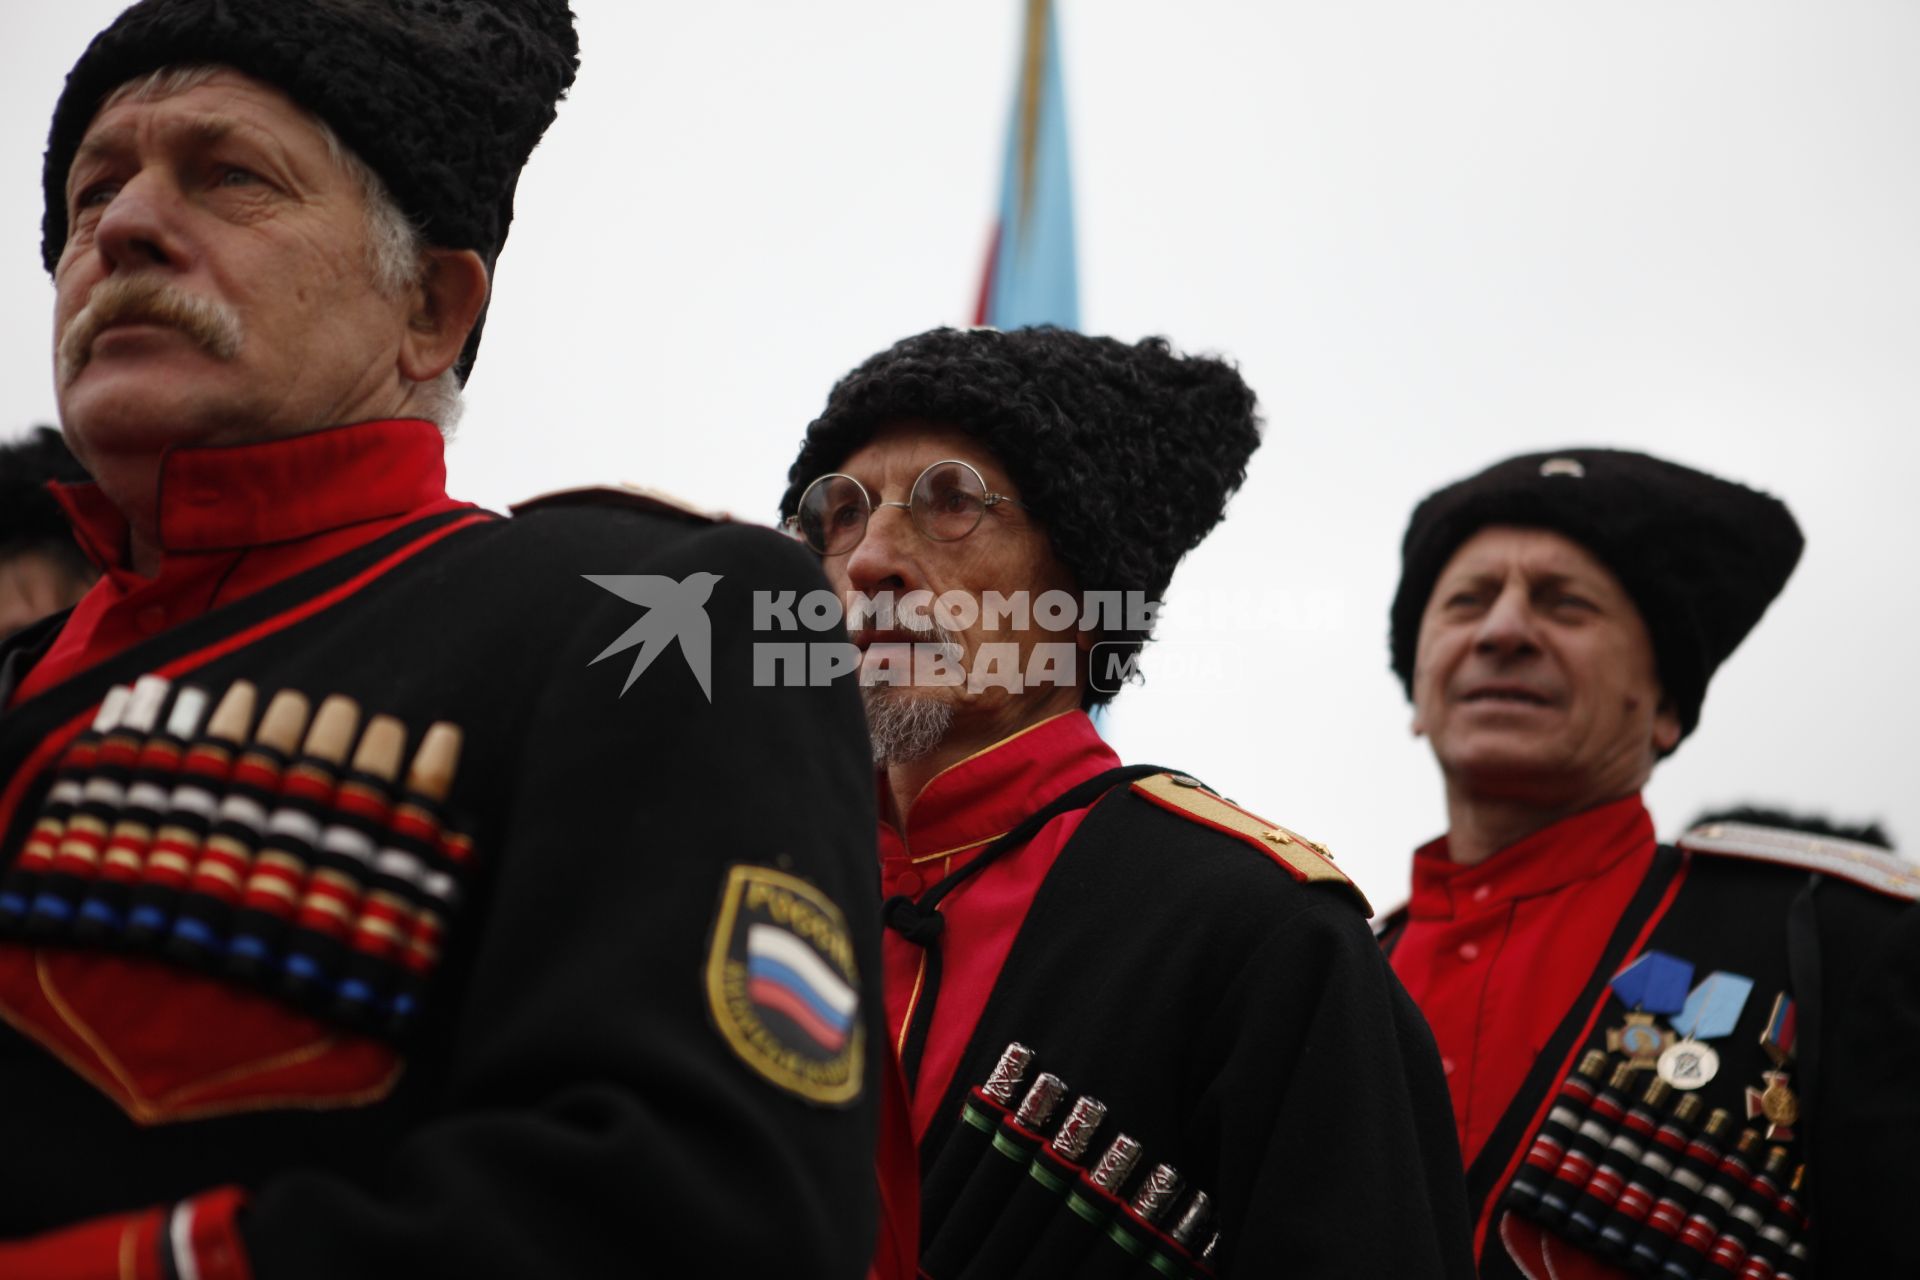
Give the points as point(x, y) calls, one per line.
point(444, 99)
point(1701, 557)
point(1125, 453)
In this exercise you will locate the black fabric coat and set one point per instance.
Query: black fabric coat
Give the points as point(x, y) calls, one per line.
point(567, 1105)
point(1243, 1026)
point(1850, 957)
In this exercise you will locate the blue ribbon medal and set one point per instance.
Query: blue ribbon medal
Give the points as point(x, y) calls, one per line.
point(1655, 983)
point(1711, 1010)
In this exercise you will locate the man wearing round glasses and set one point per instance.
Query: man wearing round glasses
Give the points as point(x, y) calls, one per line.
point(946, 504)
point(1197, 984)
point(935, 553)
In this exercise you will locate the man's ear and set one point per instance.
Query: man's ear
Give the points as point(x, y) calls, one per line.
point(446, 302)
point(1666, 727)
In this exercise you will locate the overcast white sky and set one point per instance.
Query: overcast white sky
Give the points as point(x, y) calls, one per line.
point(1432, 236)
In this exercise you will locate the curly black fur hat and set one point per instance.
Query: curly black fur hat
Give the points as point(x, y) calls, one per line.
point(30, 520)
point(1125, 454)
point(1701, 557)
point(444, 99)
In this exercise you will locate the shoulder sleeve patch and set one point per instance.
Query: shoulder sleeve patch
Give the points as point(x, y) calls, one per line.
point(1864, 864)
point(782, 988)
point(632, 497)
point(1305, 860)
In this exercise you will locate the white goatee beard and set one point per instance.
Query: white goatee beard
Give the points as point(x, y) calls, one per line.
point(905, 724)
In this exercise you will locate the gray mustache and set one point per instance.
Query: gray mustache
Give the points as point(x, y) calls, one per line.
point(215, 328)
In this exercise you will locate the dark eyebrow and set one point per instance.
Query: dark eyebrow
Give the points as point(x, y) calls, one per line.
point(873, 495)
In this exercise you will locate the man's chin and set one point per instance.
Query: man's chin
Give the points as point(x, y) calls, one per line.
point(118, 408)
point(904, 723)
point(1512, 774)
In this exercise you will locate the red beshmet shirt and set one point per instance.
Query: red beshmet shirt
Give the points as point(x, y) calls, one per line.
point(234, 519)
point(1495, 954)
point(953, 818)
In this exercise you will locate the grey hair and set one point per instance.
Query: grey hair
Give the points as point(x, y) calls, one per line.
point(396, 250)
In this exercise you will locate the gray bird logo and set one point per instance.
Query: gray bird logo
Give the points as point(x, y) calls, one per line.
point(675, 611)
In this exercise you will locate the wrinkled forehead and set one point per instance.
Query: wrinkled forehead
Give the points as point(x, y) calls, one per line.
point(207, 101)
point(1502, 551)
point(895, 455)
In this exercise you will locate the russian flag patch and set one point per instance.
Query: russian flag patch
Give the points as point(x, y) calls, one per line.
point(782, 985)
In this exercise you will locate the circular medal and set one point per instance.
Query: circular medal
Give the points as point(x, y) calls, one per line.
point(1688, 1064)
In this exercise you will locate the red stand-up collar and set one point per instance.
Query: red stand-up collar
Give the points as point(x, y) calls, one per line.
point(236, 519)
point(1576, 848)
point(985, 795)
point(232, 497)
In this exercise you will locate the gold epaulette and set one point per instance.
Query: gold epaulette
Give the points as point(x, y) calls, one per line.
point(1878, 869)
point(1306, 860)
point(631, 496)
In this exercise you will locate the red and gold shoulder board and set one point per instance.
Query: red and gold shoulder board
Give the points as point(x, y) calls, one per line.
point(1305, 860)
point(1878, 869)
point(631, 496)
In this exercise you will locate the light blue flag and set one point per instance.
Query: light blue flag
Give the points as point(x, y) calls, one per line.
point(1031, 276)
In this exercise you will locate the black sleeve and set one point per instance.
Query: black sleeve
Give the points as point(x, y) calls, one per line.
point(597, 1121)
point(1864, 1123)
point(1337, 1121)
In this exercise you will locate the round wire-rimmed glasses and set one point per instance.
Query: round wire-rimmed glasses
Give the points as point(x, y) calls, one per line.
point(946, 505)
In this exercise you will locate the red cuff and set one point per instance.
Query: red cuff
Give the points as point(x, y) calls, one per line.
point(196, 1238)
point(203, 1238)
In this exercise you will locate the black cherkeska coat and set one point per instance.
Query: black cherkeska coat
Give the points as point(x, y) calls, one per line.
point(1831, 924)
point(1212, 981)
point(589, 1086)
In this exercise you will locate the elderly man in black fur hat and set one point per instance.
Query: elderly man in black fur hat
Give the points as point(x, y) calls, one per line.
point(352, 922)
point(1179, 998)
point(1663, 1060)
point(42, 571)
